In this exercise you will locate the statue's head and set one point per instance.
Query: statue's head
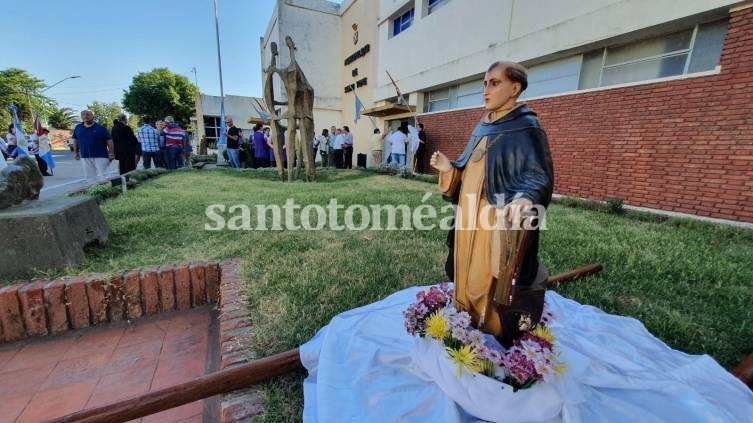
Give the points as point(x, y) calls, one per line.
point(289, 42)
point(503, 84)
point(274, 48)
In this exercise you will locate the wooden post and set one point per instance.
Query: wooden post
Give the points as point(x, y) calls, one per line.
point(206, 386)
point(744, 371)
point(572, 275)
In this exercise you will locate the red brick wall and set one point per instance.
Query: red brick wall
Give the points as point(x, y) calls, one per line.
point(683, 145)
point(48, 307)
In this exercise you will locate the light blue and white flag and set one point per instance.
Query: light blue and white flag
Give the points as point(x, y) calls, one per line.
point(222, 139)
point(359, 106)
point(22, 145)
point(261, 110)
point(2, 157)
point(43, 144)
point(414, 140)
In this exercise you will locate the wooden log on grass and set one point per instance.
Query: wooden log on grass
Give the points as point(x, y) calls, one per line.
point(744, 371)
point(572, 275)
point(205, 386)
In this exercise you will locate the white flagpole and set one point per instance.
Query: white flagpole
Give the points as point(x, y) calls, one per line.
point(219, 56)
point(220, 158)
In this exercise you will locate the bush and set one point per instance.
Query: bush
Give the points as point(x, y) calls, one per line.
point(615, 205)
point(393, 169)
point(144, 174)
point(211, 158)
point(404, 172)
point(105, 191)
point(102, 192)
point(581, 203)
point(433, 179)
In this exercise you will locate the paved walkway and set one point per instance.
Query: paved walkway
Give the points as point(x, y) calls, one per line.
point(51, 377)
point(69, 176)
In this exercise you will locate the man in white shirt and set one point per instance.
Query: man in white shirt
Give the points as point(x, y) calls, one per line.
point(347, 148)
point(339, 143)
point(398, 141)
point(321, 143)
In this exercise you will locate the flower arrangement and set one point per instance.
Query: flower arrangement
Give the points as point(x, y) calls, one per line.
point(532, 358)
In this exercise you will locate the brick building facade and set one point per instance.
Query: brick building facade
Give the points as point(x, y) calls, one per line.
point(684, 145)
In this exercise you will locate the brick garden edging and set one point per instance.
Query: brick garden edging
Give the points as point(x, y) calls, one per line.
point(47, 307)
point(235, 343)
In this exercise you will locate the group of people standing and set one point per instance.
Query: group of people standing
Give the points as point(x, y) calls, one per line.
point(334, 146)
point(253, 152)
point(161, 143)
point(396, 144)
point(37, 145)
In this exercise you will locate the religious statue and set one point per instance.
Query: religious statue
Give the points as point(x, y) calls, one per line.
point(506, 164)
point(299, 113)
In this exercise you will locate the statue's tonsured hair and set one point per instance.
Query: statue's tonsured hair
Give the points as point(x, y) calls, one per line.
point(515, 72)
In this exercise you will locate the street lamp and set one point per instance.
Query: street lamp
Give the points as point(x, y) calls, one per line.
point(64, 79)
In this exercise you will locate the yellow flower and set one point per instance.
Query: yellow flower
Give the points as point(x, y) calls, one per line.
point(543, 333)
point(560, 368)
point(437, 326)
point(465, 356)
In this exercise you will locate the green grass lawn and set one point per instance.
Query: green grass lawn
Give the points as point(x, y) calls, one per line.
point(690, 283)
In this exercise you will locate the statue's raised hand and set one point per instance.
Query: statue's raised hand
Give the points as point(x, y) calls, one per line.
point(440, 162)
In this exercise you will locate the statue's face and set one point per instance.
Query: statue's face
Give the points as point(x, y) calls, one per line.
point(498, 89)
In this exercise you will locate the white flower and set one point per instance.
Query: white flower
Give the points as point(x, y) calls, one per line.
point(464, 319)
point(458, 333)
point(476, 338)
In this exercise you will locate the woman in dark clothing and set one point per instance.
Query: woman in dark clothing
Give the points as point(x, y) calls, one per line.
point(126, 144)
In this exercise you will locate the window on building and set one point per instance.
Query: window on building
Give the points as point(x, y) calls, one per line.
point(467, 94)
point(212, 130)
point(402, 22)
point(697, 49)
point(438, 100)
point(707, 48)
point(470, 94)
point(553, 77)
point(435, 4)
point(694, 50)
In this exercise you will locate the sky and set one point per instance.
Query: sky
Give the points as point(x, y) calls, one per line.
point(108, 42)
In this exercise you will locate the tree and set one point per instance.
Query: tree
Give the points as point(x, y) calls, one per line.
point(62, 118)
point(105, 113)
point(19, 87)
point(159, 93)
point(133, 122)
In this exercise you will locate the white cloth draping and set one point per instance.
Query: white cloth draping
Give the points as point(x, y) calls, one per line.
point(364, 367)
